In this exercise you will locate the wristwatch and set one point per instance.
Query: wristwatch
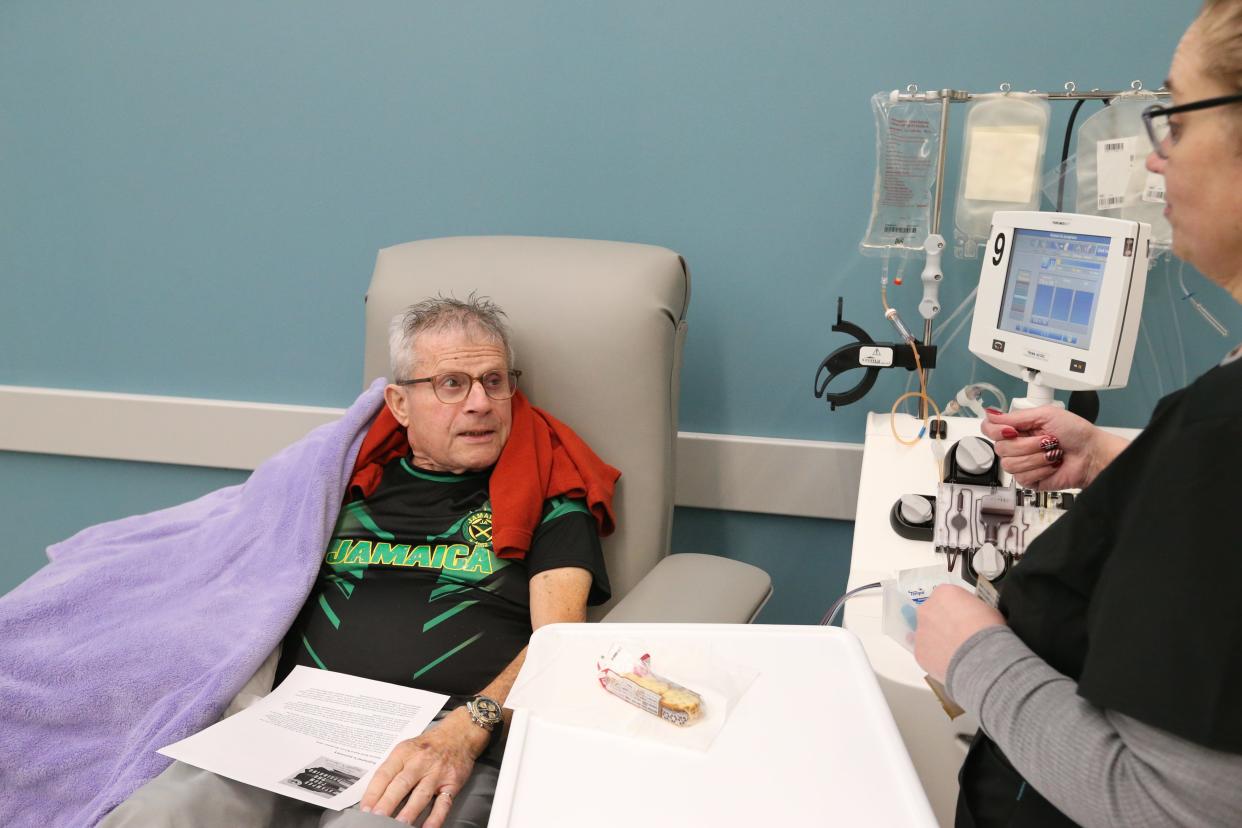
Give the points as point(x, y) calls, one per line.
point(484, 712)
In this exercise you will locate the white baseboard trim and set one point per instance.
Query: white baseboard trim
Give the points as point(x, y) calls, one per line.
point(800, 478)
point(185, 431)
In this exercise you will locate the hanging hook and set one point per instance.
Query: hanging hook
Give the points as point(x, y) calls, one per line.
point(1071, 87)
point(1006, 87)
point(912, 88)
point(1136, 85)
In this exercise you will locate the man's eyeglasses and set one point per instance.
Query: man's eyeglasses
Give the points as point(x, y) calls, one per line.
point(454, 386)
point(1163, 133)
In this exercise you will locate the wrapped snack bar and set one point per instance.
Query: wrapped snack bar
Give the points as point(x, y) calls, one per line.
point(629, 677)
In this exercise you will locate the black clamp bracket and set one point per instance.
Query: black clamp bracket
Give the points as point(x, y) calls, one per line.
point(868, 354)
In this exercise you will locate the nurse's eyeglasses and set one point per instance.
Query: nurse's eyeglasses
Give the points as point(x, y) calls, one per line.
point(1163, 133)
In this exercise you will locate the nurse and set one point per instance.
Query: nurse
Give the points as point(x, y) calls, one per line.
point(1109, 683)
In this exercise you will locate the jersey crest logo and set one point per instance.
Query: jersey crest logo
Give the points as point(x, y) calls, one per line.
point(479, 527)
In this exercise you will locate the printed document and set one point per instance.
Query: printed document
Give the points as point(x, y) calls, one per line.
point(318, 737)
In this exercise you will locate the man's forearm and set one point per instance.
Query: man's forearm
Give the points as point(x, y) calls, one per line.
point(1097, 766)
point(499, 687)
point(557, 596)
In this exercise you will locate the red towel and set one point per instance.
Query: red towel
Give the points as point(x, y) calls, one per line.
point(543, 458)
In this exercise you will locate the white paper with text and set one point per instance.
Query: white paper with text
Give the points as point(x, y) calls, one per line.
point(318, 737)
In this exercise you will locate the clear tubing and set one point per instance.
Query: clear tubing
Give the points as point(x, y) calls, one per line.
point(840, 602)
point(909, 386)
point(952, 336)
point(902, 330)
point(1154, 364)
point(1203, 311)
point(1177, 323)
point(949, 321)
point(943, 348)
point(1001, 399)
point(901, 266)
point(944, 326)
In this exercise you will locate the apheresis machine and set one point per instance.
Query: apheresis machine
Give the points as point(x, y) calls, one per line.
point(1057, 304)
point(1060, 300)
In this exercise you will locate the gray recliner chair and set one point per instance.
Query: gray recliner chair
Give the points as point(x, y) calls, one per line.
point(598, 329)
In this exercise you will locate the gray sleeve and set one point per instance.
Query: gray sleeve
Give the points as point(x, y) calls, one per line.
point(1097, 766)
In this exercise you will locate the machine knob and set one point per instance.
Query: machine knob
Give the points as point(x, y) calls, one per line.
point(988, 562)
point(974, 455)
point(915, 509)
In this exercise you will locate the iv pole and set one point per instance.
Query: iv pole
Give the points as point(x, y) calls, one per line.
point(933, 245)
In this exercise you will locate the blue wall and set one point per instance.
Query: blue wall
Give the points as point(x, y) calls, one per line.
point(192, 194)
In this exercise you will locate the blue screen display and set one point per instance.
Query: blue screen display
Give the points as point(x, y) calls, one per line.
point(1053, 285)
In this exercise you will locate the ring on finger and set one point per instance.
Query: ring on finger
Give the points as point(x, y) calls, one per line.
point(446, 793)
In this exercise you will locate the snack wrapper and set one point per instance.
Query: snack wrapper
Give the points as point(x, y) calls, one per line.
point(560, 683)
point(629, 677)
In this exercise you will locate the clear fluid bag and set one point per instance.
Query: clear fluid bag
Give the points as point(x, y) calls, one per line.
point(1112, 167)
point(907, 143)
point(1006, 134)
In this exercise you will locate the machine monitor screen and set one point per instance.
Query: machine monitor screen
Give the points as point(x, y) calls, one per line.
point(1052, 288)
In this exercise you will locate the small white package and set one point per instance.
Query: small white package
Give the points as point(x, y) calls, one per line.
point(629, 677)
point(903, 594)
point(561, 685)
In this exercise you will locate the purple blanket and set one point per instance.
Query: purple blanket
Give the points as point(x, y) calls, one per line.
point(140, 631)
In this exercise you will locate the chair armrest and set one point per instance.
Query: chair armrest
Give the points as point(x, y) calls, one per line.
point(693, 588)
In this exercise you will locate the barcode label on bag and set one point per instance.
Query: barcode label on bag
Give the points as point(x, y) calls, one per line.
point(1114, 162)
point(908, 229)
point(1153, 192)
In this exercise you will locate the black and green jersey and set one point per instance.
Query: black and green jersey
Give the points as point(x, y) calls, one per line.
point(411, 593)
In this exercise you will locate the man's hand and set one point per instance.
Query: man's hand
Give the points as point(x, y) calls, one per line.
point(439, 761)
point(431, 768)
point(1049, 448)
point(946, 619)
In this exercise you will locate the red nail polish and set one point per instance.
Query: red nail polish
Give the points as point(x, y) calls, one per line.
point(1009, 432)
point(992, 410)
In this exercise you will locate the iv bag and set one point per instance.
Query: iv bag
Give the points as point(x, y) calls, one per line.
point(1002, 152)
point(907, 143)
point(1112, 174)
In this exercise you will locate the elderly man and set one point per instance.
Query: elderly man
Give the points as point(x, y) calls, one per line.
point(438, 608)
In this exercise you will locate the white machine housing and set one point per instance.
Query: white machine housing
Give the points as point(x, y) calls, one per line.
point(1060, 298)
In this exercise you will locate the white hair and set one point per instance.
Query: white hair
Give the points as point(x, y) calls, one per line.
point(476, 314)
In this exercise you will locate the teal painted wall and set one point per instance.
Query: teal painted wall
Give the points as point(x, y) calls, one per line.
point(48, 498)
point(192, 194)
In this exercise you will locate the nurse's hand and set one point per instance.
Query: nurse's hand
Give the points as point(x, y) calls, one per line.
point(1049, 448)
point(946, 619)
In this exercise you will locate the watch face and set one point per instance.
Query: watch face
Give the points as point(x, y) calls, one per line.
point(486, 709)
